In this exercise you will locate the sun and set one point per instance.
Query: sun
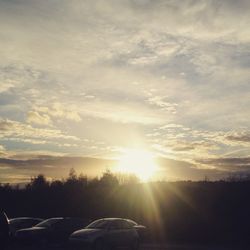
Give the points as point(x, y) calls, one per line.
point(138, 162)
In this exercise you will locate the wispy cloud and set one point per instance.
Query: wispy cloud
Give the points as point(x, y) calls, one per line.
point(238, 164)
point(35, 117)
point(57, 110)
point(12, 129)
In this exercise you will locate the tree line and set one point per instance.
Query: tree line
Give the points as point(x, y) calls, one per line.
point(183, 211)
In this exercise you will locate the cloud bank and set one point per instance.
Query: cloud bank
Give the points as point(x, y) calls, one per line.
point(86, 79)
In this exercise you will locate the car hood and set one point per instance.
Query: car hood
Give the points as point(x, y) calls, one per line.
point(32, 229)
point(86, 231)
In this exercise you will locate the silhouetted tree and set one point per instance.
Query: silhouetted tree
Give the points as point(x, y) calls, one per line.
point(56, 184)
point(127, 179)
point(83, 180)
point(72, 175)
point(39, 182)
point(109, 179)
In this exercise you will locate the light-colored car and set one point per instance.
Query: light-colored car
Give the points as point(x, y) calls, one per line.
point(105, 234)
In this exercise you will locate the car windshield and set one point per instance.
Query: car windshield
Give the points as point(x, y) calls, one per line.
point(99, 224)
point(15, 220)
point(20, 220)
point(48, 223)
point(132, 223)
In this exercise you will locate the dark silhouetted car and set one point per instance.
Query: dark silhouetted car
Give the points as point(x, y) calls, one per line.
point(105, 234)
point(4, 230)
point(21, 223)
point(54, 230)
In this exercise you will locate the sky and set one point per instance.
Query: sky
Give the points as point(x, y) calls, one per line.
point(83, 81)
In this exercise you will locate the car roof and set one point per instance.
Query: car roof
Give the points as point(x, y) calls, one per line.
point(55, 218)
point(113, 219)
point(67, 218)
point(25, 218)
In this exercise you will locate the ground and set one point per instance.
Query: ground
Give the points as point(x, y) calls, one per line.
point(143, 247)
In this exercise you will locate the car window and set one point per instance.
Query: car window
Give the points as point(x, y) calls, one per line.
point(99, 224)
point(125, 225)
point(27, 223)
point(132, 223)
point(35, 222)
point(115, 225)
point(49, 222)
point(19, 223)
point(66, 224)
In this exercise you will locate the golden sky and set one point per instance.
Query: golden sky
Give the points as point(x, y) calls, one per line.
point(84, 80)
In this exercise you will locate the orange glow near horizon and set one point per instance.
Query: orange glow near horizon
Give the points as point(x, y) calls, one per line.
point(138, 162)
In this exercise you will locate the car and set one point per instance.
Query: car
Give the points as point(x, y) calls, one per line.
point(141, 230)
point(4, 230)
point(106, 233)
point(53, 230)
point(21, 223)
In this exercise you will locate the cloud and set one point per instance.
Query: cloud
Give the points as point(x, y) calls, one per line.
point(122, 113)
point(15, 129)
point(240, 138)
point(183, 142)
point(177, 140)
point(3, 152)
point(162, 103)
point(57, 110)
point(36, 118)
point(191, 146)
point(235, 164)
point(5, 86)
point(173, 169)
point(12, 178)
point(51, 166)
point(231, 138)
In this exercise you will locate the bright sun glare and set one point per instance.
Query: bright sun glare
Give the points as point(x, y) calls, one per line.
point(138, 162)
